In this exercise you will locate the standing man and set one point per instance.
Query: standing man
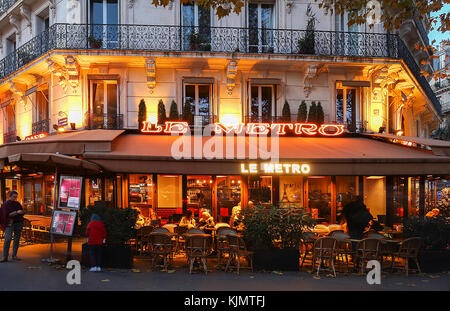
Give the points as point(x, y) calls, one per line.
point(11, 221)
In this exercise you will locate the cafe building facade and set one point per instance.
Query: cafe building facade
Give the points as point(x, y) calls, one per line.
point(94, 88)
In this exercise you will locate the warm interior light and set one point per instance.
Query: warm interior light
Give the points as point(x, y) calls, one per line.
point(61, 129)
point(229, 119)
point(75, 116)
point(399, 132)
point(375, 177)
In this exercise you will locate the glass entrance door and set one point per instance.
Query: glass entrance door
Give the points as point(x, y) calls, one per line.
point(104, 105)
point(104, 20)
point(262, 99)
point(196, 21)
point(346, 108)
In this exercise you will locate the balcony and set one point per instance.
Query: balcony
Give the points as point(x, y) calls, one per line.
point(9, 137)
point(5, 5)
point(214, 40)
point(103, 121)
point(42, 126)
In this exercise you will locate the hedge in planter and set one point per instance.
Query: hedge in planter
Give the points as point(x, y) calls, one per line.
point(274, 233)
point(434, 255)
point(120, 227)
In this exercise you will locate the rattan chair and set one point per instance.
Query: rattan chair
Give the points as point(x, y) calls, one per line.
point(306, 245)
point(142, 239)
point(198, 247)
point(180, 241)
point(161, 247)
point(161, 230)
point(237, 250)
point(324, 251)
point(344, 247)
point(408, 249)
point(195, 231)
point(27, 232)
point(222, 248)
point(366, 250)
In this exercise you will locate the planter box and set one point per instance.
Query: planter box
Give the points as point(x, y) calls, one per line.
point(276, 259)
point(433, 261)
point(113, 256)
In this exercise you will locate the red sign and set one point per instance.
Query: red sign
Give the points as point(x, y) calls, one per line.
point(309, 129)
point(36, 136)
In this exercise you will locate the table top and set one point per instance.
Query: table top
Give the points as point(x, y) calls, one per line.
point(197, 234)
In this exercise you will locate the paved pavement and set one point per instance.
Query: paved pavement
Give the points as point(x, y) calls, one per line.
point(32, 274)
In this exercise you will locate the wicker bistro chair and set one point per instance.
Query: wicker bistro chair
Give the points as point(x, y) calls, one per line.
point(142, 239)
point(195, 231)
point(27, 231)
point(344, 247)
point(222, 248)
point(180, 241)
point(408, 249)
point(161, 230)
point(161, 247)
point(198, 247)
point(307, 245)
point(237, 250)
point(324, 251)
point(366, 250)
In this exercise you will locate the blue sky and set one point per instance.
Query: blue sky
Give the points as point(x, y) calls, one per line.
point(437, 35)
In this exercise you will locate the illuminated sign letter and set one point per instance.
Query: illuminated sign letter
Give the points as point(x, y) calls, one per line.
point(220, 128)
point(147, 128)
point(280, 128)
point(339, 129)
point(296, 168)
point(243, 169)
point(305, 168)
point(176, 127)
point(305, 128)
point(253, 168)
point(258, 128)
point(268, 168)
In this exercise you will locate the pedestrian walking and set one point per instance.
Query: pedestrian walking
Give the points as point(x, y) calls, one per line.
point(96, 234)
point(11, 222)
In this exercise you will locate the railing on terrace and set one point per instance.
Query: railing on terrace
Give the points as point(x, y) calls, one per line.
point(9, 137)
point(41, 126)
point(103, 121)
point(5, 5)
point(214, 40)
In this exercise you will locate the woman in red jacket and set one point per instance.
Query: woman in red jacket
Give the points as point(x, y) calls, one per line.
point(96, 234)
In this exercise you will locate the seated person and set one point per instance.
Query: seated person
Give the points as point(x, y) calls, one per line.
point(187, 220)
point(206, 222)
point(235, 215)
point(433, 213)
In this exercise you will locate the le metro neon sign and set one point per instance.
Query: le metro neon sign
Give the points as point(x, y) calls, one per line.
point(281, 129)
point(275, 168)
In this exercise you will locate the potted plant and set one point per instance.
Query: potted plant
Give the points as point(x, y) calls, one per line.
point(273, 234)
point(286, 112)
point(120, 228)
point(194, 41)
point(162, 116)
point(95, 43)
point(173, 114)
point(312, 115)
point(187, 113)
point(319, 114)
point(142, 113)
point(302, 112)
point(307, 43)
point(434, 256)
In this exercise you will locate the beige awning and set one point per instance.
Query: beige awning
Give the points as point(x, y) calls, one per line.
point(50, 161)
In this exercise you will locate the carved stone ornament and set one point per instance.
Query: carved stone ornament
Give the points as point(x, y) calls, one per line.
point(150, 68)
point(231, 76)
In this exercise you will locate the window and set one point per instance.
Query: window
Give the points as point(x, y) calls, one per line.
point(199, 194)
point(140, 197)
point(41, 112)
point(319, 197)
point(11, 44)
point(348, 41)
point(198, 96)
point(346, 190)
point(375, 196)
point(291, 191)
point(260, 21)
point(346, 107)
point(103, 17)
point(9, 124)
point(169, 196)
point(104, 105)
point(260, 190)
point(262, 106)
point(196, 21)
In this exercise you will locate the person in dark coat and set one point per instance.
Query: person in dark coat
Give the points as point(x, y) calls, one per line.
point(96, 233)
point(357, 216)
point(11, 221)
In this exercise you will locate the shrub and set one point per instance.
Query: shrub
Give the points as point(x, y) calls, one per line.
point(187, 113)
point(142, 114)
point(312, 115)
point(263, 225)
point(319, 114)
point(119, 223)
point(162, 116)
point(434, 231)
point(173, 114)
point(286, 113)
point(302, 112)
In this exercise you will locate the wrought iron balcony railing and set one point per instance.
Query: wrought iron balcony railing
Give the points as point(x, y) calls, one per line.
point(103, 121)
point(213, 40)
point(9, 137)
point(5, 5)
point(41, 126)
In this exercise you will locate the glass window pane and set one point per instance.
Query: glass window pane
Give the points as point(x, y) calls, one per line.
point(188, 22)
point(228, 196)
point(340, 106)
point(204, 23)
point(199, 194)
point(203, 102)
point(140, 197)
point(112, 99)
point(350, 113)
point(266, 103)
point(253, 26)
point(291, 191)
point(319, 197)
point(346, 190)
point(375, 196)
point(260, 190)
point(254, 108)
point(189, 97)
point(96, 11)
point(112, 11)
point(169, 196)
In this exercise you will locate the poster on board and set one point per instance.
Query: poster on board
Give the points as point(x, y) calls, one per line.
point(63, 222)
point(70, 192)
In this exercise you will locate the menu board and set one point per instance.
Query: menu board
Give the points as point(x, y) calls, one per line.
point(70, 192)
point(63, 222)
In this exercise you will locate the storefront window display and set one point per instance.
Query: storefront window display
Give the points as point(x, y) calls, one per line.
point(199, 194)
point(169, 196)
point(49, 181)
point(260, 190)
point(228, 195)
point(93, 190)
point(400, 199)
point(291, 191)
point(414, 197)
point(140, 197)
point(346, 191)
point(430, 195)
point(319, 197)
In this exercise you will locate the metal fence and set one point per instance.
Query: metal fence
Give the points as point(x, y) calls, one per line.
point(5, 5)
point(214, 40)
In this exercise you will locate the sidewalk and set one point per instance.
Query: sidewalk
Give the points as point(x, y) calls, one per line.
point(32, 274)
